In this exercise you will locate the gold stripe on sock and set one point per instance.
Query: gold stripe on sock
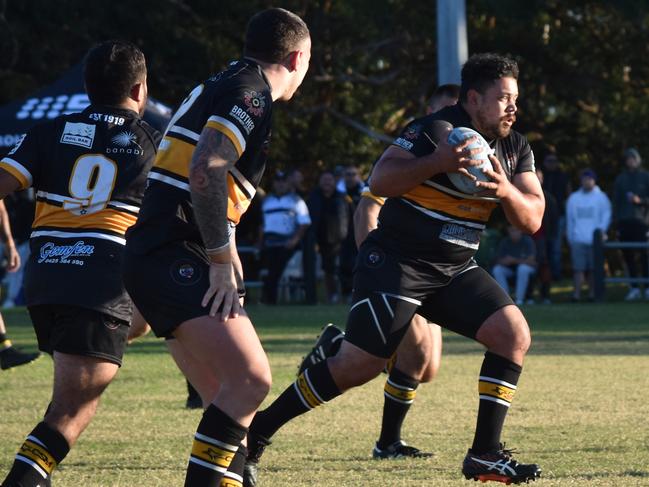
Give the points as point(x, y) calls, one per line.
point(498, 391)
point(38, 454)
point(212, 454)
point(306, 392)
point(226, 482)
point(398, 393)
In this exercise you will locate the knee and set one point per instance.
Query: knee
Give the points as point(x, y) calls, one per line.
point(506, 333)
point(259, 385)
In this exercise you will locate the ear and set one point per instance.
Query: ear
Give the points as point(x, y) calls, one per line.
point(138, 91)
point(293, 60)
point(473, 97)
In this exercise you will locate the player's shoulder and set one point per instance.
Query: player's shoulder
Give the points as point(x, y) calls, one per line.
point(239, 75)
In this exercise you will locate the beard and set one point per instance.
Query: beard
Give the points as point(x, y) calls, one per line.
point(498, 129)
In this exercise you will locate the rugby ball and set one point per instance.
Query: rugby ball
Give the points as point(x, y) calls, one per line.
point(459, 180)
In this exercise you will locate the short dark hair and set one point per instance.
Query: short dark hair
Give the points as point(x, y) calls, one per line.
point(272, 34)
point(449, 90)
point(110, 71)
point(483, 69)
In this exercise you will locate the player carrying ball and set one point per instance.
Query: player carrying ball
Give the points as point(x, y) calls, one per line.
point(420, 260)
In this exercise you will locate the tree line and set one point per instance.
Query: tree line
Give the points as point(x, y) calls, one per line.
point(583, 83)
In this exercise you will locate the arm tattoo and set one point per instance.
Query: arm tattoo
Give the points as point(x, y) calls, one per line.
point(213, 156)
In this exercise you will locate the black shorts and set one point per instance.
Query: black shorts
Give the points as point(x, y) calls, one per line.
point(79, 331)
point(167, 285)
point(388, 292)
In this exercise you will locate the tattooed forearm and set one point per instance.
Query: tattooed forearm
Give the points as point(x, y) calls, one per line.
point(213, 156)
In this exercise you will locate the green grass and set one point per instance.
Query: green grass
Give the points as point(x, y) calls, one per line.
point(581, 409)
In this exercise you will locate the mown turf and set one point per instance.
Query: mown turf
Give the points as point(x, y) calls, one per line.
point(580, 412)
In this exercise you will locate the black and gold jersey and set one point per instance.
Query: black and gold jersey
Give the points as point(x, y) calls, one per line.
point(447, 224)
point(367, 193)
point(89, 171)
point(237, 102)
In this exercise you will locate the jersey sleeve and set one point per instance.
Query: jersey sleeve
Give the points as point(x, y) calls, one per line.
point(525, 158)
point(23, 159)
point(239, 113)
point(415, 140)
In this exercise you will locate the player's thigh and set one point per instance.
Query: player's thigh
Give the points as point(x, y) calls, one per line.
point(79, 380)
point(415, 349)
point(383, 303)
point(230, 349)
point(139, 326)
point(197, 373)
point(435, 360)
point(465, 304)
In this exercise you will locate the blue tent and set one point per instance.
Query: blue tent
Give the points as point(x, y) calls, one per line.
point(65, 95)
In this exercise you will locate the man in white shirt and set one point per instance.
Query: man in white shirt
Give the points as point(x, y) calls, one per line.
point(286, 218)
point(588, 209)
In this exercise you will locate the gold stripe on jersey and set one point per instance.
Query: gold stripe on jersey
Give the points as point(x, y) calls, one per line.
point(230, 131)
point(400, 394)
point(368, 194)
point(212, 454)
point(238, 200)
point(115, 221)
point(466, 209)
point(175, 157)
point(11, 169)
point(37, 454)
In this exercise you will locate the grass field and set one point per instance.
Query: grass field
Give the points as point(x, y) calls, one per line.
point(581, 410)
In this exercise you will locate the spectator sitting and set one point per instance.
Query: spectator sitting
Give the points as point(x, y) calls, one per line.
point(516, 257)
point(286, 219)
point(330, 215)
point(588, 209)
point(631, 206)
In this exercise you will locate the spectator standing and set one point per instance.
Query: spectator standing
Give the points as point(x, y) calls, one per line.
point(286, 219)
point(330, 213)
point(588, 209)
point(353, 188)
point(631, 207)
point(516, 258)
point(296, 181)
point(557, 183)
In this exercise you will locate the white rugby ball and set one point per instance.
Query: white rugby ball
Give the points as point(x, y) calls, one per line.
point(462, 182)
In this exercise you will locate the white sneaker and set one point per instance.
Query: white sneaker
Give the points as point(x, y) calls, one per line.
point(633, 294)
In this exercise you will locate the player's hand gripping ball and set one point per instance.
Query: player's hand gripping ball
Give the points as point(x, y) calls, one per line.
point(462, 182)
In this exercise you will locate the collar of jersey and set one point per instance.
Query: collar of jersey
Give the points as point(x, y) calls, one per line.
point(111, 109)
point(255, 65)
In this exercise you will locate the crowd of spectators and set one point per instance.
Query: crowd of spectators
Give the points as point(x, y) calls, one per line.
point(311, 231)
point(570, 221)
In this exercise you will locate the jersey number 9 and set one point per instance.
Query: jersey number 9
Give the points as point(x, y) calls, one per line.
point(91, 184)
